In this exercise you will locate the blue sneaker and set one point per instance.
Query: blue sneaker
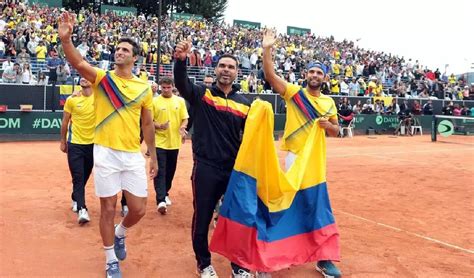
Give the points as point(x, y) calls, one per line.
point(328, 269)
point(119, 248)
point(112, 270)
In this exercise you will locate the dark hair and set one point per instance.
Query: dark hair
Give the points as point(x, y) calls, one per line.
point(208, 75)
point(166, 80)
point(227, 55)
point(135, 46)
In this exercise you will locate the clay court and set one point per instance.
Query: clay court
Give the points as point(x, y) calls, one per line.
point(404, 207)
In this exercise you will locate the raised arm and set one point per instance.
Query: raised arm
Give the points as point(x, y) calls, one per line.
point(278, 84)
point(65, 28)
point(187, 89)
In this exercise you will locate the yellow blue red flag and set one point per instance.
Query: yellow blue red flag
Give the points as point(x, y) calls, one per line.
point(270, 219)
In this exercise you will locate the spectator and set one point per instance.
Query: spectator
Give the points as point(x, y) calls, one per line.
point(7, 63)
point(448, 109)
point(12, 74)
point(40, 52)
point(62, 73)
point(26, 75)
point(416, 109)
point(23, 57)
point(53, 63)
point(428, 108)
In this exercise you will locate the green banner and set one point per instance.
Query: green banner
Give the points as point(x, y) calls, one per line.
point(247, 24)
point(291, 30)
point(49, 3)
point(120, 11)
point(30, 122)
point(185, 16)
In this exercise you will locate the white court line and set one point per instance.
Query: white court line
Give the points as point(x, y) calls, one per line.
point(407, 232)
point(408, 151)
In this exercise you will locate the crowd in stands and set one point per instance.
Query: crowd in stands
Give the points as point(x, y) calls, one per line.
point(31, 53)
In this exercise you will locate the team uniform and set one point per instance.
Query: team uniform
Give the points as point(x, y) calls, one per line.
point(80, 139)
point(119, 164)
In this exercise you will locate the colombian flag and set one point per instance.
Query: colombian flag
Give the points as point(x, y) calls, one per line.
point(270, 219)
point(64, 92)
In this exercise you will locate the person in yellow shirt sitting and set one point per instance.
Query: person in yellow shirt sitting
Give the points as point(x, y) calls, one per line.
point(77, 141)
point(170, 118)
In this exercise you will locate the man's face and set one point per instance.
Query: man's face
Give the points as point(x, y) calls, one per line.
point(124, 54)
point(208, 81)
point(226, 71)
point(315, 78)
point(154, 88)
point(166, 90)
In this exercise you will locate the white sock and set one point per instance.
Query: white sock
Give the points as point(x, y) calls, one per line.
point(110, 254)
point(120, 230)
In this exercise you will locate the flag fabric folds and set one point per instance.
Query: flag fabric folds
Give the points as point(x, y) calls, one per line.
point(270, 219)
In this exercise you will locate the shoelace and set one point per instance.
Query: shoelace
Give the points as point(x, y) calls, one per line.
point(121, 241)
point(211, 270)
point(113, 267)
point(244, 273)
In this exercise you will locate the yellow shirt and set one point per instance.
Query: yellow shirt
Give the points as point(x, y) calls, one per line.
point(145, 46)
point(165, 59)
point(143, 76)
point(349, 71)
point(82, 125)
point(379, 90)
point(118, 105)
point(336, 69)
point(244, 86)
point(171, 109)
point(334, 86)
point(297, 126)
point(372, 86)
point(41, 52)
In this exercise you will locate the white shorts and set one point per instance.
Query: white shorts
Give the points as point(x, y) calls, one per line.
point(115, 171)
point(289, 160)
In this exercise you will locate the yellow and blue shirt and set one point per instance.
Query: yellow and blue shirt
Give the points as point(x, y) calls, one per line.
point(118, 103)
point(302, 110)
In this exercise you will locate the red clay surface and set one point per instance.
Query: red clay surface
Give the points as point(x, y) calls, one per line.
point(404, 207)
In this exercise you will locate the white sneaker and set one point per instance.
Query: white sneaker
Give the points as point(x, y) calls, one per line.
point(168, 201)
point(242, 274)
point(83, 216)
point(208, 272)
point(124, 211)
point(162, 208)
point(263, 275)
point(74, 206)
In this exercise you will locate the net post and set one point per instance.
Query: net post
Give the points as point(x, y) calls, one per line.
point(433, 129)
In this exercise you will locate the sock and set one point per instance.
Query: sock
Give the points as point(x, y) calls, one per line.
point(120, 230)
point(110, 254)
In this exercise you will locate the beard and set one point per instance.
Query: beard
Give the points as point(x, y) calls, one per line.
point(225, 81)
point(314, 84)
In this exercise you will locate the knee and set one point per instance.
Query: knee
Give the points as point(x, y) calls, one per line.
point(138, 213)
point(107, 212)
